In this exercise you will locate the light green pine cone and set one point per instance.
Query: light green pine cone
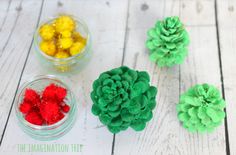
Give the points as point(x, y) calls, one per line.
point(201, 108)
point(168, 42)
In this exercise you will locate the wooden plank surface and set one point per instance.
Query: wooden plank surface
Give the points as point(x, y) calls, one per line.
point(227, 36)
point(118, 29)
point(164, 134)
point(106, 20)
point(17, 21)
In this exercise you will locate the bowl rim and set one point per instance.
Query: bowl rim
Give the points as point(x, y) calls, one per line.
point(20, 92)
point(49, 20)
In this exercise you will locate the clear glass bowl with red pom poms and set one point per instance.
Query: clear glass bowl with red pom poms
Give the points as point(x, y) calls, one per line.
point(46, 108)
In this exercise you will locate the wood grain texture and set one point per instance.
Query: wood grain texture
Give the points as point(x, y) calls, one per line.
point(118, 29)
point(164, 134)
point(17, 24)
point(227, 38)
point(106, 21)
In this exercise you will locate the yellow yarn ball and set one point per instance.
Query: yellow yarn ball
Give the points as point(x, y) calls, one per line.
point(65, 43)
point(76, 48)
point(47, 32)
point(48, 47)
point(63, 23)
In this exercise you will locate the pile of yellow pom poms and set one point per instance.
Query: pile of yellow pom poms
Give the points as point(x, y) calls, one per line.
point(60, 38)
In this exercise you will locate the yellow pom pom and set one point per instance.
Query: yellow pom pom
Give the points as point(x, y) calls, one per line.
point(60, 38)
point(66, 34)
point(62, 54)
point(63, 23)
point(48, 47)
point(76, 48)
point(77, 37)
point(47, 32)
point(61, 50)
point(65, 43)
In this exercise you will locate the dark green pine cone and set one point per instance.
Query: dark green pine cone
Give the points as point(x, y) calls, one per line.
point(123, 98)
point(201, 108)
point(168, 42)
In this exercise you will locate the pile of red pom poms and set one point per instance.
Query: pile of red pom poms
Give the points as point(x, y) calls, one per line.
point(45, 109)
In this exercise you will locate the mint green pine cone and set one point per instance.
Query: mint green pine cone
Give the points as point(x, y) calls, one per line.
point(201, 108)
point(167, 42)
point(123, 98)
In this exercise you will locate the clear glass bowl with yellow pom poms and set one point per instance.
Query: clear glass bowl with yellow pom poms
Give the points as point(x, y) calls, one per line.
point(63, 44)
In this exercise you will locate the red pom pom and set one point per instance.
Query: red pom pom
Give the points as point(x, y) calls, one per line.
point(35, 109)
point(49, 110)
point(53, 92)
point(49, 92)
point(32, 97)
point(56, 118)
point(60, 116)
point(25, 107)
point(34, 118)
point(61, 93)
point(65, 108)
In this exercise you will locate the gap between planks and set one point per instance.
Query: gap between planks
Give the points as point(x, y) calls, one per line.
point(40, 13)
point(122, 62)
point(124, 51)
point(220, 65)
point(221, 77)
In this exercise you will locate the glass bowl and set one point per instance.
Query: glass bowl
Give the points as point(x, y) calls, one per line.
point(72, 64)
point(46, 132)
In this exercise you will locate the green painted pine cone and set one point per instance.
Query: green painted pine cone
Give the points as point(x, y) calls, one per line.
point(167, 42)
point(123, 98)
point(201, 108)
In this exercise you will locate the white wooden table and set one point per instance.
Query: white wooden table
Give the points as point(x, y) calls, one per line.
point(118, 29)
